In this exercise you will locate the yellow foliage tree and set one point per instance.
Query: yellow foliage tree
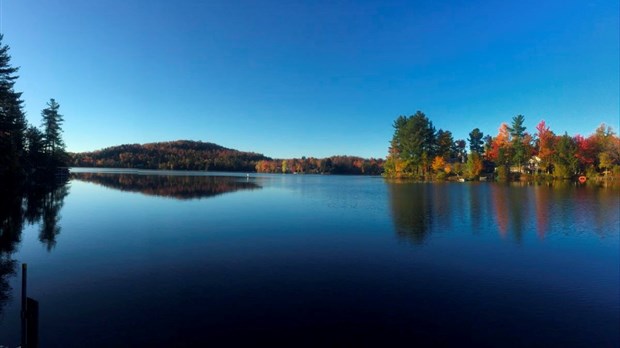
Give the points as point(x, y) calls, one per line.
point(438, 164)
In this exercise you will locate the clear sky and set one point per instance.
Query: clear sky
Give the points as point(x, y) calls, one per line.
point(311, 78)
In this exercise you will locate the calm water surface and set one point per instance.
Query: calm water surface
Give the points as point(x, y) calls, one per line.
point(136, 259)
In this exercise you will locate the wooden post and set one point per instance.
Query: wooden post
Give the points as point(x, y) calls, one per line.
point(32, 323)
point(29, 315)
point(24, 305)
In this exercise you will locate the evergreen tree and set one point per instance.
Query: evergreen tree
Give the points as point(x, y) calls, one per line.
point(417, 139)
point(445, 145)
point(413, 146)
point(475, 141)
point(517, 133)
point(461, 153)
point(54, 146)
point(34, 147)
point(12, 117)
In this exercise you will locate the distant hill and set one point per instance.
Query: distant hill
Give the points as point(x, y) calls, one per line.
point(180, 155)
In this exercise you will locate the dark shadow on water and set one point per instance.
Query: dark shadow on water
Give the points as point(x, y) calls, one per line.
point(411, 205)
point(173, 186)
point(34, 204)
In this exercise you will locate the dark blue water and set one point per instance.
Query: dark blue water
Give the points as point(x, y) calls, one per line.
point(299, 260)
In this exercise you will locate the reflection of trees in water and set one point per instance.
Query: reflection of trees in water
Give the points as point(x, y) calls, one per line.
point(11, 223)
point(175, 186)
point(52, 203)
point(541, 197)
point(499, 192)
point(7, 269)
point(475, 206)
point(561, 207)
point(411, 210)
point(512, 210)
point(511, 207)
point(40, 204)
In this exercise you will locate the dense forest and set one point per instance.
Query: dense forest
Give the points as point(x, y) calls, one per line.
point(173, 155)
point(419, 151)
point(27, 153)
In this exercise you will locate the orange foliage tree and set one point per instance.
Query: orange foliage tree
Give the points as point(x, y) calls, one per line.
point(544, 145)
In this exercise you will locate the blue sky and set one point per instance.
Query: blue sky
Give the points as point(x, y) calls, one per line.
point(312, 78)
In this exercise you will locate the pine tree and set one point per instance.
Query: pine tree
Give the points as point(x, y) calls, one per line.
point(54, 146)
point(34, 147)
point(517, 133)
point(413, 147)
point(12, 118)
point(475, 141)
point(445, 145)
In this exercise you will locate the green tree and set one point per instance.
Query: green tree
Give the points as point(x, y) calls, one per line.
point(461, 153)
point(545, 139)
point(52, 121)
point(34, 146)
point(565, 162)
point(475, 141)
point(474, 166)
point(445, 145)
point(517, 134)
point(488, 145)
point(413, 145)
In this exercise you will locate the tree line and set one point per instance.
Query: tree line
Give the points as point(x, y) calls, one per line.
point(419, 151)
point(329, 165)
point(204, 156)
point(26, 151)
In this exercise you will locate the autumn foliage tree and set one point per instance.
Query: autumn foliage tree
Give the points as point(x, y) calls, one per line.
point(474, 165)
point(438, 166)
point(545, 144)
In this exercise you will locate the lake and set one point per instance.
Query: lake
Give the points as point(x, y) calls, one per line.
point(124, 258)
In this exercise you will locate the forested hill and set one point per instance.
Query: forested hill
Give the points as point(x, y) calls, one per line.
point(198, 155)
point(180, 154)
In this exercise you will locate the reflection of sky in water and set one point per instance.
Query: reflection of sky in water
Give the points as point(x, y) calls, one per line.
point(351, 253)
